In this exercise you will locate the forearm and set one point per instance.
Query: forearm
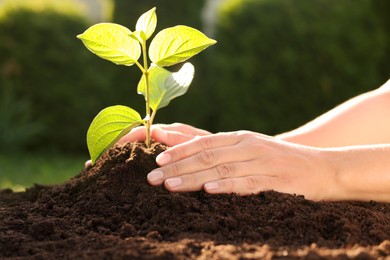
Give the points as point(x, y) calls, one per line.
point(362, 173)
point(361, 120)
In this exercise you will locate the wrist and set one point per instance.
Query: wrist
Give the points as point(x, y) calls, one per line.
point(346, 182)
point(331, 182)
point(340, 188)
point(358, 174)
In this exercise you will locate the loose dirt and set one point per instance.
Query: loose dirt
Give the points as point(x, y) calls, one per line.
point(109, 211)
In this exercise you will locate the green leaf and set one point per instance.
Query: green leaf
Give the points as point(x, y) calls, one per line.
point(140, 36)
point(147, 23)
point(177, 44)
point(112, 42)
point(165, 85)
point(108, 127)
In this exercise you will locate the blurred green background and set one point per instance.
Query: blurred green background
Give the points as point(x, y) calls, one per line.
point(277, 64)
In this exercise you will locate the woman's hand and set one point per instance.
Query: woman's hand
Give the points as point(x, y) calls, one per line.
point(170, 135)
point(242, 162)
point(246, 163)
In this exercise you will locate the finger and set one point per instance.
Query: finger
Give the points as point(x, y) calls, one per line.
point(243, 186)
point(185, 129)
point(136, 134)
point(88, 164)
point(219, 161)
point(194, 164)
point(170, 138)
point(139, 134)
point(196, 181)
point(177, 133)
point(196, 145)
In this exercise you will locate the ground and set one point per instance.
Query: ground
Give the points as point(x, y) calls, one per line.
point(109, 211)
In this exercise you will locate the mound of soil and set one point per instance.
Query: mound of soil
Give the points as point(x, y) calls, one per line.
point(109, 211)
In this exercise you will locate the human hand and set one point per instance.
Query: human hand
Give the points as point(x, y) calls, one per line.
point(246, 163)
point(169, 134)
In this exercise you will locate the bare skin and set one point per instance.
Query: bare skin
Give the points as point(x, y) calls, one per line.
point(342, 155)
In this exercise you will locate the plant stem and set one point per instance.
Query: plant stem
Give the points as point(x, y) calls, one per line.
point(152, 117)
point(146, 74)
point(140, 67)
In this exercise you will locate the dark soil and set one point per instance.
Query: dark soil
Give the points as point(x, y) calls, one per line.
point(109, 211)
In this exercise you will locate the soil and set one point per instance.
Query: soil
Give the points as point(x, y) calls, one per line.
point(109, 211)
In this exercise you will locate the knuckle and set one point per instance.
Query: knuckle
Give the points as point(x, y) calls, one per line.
point(236, 134)
point(224, 171)
point(245, 137)
point(228, 186)
point(195, 182)
point(205, 143)
point(206, 157)
point(173, 169)
point(176, 124)
point(243, 133)
point(252, 183)
point(192, 182)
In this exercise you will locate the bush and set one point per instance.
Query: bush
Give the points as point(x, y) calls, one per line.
point(279, 63)
point(16, 125)
point(169, 12)
point(43, 64)
point(382, 8)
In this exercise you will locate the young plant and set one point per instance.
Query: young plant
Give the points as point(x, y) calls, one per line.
point(159, 86)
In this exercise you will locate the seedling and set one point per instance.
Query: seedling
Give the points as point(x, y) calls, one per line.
point(159, 86)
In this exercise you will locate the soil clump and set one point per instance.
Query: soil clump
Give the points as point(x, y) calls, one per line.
point(109, 211)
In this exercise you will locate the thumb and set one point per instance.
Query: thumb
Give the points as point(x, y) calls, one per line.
point(170, 138)
point(136, 134)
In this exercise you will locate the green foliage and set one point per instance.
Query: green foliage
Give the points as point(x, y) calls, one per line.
point(171, 13)
point(165, 86)
point(177, 44)
point(159, 86)
point(22, 170)
point(60, 85)
point(112, 42)
point(146, 25)
point(282, 62)
point(16, 125)
point(69, 7)
point(108, 127)
point(382, 7)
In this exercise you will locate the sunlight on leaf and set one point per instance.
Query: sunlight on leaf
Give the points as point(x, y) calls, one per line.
point(119, 45)
point(108, 127)
point(112, 42)
point(139, 36)
point(165, 85)
point(177, 44)
point(147, 23)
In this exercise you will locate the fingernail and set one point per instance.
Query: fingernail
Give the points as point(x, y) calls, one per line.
point(163, 158)
point(88, 164)
point(211, 186)
point(173, 182)
point(155, 176)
